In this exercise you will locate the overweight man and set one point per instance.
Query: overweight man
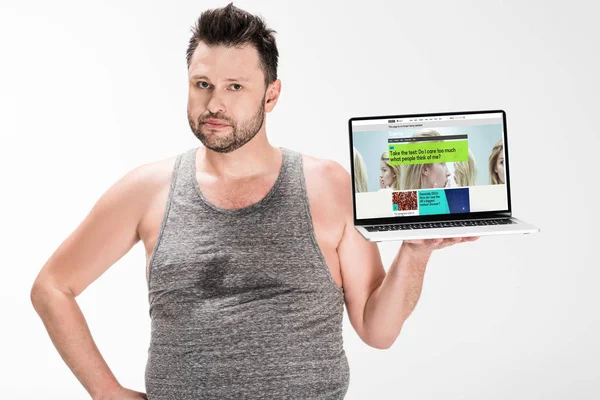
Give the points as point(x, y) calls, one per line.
point(251, 250)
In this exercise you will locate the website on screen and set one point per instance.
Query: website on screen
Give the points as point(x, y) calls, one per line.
point(429, 165)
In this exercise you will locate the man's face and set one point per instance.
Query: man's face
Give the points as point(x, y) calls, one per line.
point(226, 101)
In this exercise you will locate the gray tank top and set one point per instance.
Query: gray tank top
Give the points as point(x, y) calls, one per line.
point(242, 303)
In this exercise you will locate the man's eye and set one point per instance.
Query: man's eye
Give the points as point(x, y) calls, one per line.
point(200, 84)
point(236, 86)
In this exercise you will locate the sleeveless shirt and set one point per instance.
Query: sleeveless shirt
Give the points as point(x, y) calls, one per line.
point(241, 301)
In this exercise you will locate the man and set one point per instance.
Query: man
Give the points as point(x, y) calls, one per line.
point(251, 249)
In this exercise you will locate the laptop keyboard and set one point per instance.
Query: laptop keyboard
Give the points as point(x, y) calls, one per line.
point(445, 224)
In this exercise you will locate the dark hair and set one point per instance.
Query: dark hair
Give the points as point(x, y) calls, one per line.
point(231, 26)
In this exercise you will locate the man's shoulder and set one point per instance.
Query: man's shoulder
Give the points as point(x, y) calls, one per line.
point(326, 174)
point(324, 168)
point(143, 183)
point(153, 174)
point(148, 187)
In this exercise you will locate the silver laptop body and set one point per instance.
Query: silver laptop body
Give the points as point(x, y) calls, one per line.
point(435, 175)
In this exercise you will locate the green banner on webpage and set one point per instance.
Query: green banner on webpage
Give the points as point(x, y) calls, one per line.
point(428, 152)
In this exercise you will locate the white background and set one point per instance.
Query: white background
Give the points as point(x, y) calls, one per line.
point(90, 90)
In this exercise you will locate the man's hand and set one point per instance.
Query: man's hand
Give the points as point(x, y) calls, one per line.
point(426, 246)
point(123, 394)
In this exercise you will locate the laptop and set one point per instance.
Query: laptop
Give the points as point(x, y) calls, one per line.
point(436, 175)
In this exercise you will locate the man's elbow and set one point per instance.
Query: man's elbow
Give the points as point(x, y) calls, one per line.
point(38, 293)
point(380, 346)
point(380, 343)
point(42, 290)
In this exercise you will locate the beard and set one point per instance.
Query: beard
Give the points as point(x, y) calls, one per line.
point(239, 136)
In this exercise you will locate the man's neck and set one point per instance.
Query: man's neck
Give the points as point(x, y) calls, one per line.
point(255, 158)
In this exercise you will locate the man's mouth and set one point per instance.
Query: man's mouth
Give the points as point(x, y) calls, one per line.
point(215, 123)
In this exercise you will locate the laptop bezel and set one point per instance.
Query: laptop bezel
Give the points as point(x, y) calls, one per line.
point(438, 217)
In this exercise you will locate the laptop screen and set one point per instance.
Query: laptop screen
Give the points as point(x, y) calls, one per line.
point(419, 165)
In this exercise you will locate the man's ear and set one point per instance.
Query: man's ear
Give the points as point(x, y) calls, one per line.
point(272, 95)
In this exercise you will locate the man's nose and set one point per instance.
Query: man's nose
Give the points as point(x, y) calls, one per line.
point(216, 104)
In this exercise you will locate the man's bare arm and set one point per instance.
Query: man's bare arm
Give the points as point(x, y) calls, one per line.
point(360, 261)
point(378, 303)
point(394, 300)
point(106, 234)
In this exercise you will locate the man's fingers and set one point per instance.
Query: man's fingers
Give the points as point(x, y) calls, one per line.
point(449, 242)
point(414, 241)
point(440, 243)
